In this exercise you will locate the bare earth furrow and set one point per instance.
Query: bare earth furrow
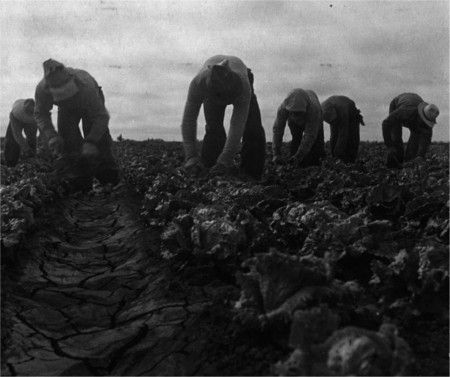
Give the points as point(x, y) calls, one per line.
point(91, 298)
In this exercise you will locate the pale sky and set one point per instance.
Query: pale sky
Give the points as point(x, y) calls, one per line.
point(144, 54)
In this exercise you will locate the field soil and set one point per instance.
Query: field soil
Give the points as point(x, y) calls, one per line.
point(160, 275)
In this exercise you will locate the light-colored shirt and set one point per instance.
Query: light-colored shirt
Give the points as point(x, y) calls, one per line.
point(196, 96)
point(18, 111)
point(299, 100)
point(20, 119)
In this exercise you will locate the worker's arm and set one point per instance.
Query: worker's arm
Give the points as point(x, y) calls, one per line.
point(96, 112)
point(237, 127)
point(278, 130)
point(42, 108)
point(313, 124)
point(17, 128)
point(189, 123)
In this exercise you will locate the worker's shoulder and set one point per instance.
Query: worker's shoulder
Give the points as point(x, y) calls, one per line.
point(197, 86)
point(340, 97)
point(408, 96)
point(19, 112)
point(232, 60)
point(308, 94)
point(340, 100)
point(408, 99)
point(18, 104)
point(312, 96)
point(297, 92)
point(42, 87)
point(83, 76)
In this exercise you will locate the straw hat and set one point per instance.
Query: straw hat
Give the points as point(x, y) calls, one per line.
point(428, 113)
point(61, 83)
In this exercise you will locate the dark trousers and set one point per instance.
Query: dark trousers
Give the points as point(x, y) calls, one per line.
point(344, 139)
point(253, 151)
point(104, 168)
point(417, 145)
point(317, 151)
point(12, 148)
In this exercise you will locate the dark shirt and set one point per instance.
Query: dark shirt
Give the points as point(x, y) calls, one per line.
point(342, 106)
point(403, 112)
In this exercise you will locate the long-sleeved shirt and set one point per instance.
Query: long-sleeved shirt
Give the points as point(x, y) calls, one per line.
point(90, 105)
point(299, 100)
point(19, 120)
point(196, 96)
point(403, 111)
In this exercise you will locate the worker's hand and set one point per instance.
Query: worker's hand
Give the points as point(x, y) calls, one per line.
point(219, 169)
point(277, 159)
point(295, 159)
point(193, 166)
point(55, 145)
point(27, 151)
point(417, 161)
point(392, 161)
point(89, 150)
point(192, 162)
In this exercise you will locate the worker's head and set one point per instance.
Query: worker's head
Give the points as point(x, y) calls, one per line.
point(28, 106)
point(297, 117)
point(428, 113)
point(296, 104)
point(329, 115)
point(59, 80)
point(223, 85)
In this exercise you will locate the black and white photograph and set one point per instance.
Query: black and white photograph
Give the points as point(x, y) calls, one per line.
point(224, 187)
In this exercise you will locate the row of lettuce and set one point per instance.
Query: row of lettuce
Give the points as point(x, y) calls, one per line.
point(328, 262)
point(331, 262)
point(25, 189)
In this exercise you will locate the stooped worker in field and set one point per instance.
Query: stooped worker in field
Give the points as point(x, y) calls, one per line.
point(302, 111)
point(344, 118)
point(408, 110)
point(224, 80)
point(78, 97)
point(21, 121)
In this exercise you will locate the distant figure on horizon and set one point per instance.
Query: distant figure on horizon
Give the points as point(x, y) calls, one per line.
point(224, 80)
point(21, 121)
point(78, 97)
point(344, 118)
point(408, 110)
point(302, 111)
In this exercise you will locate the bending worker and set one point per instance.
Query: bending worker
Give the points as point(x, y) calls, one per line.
point(224, 80)
point(408, 110)
point(344, 118)
point(21, 120)
point(78, 97)
point(302, 111)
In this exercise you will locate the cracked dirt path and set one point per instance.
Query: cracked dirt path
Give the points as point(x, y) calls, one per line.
point(91, 299)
